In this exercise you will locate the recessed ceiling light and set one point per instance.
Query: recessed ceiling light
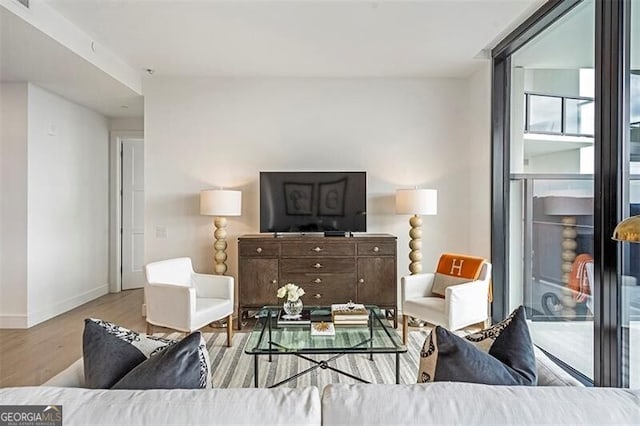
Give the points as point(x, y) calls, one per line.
point(150, 71)
point(124, 106)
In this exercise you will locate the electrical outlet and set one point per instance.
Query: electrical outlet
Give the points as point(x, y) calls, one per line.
point(161, 232)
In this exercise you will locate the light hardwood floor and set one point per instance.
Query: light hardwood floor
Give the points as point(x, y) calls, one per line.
point(32, 356)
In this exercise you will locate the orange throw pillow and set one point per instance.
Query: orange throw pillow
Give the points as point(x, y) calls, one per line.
point(456, 269)
point(578, 280)
point(460, 265)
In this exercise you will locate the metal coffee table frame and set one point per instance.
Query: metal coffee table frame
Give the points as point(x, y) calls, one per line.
point(267, 345)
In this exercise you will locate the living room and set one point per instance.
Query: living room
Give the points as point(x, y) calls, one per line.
point(221, 91)
point(332, 118)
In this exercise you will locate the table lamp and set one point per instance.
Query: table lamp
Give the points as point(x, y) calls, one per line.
point(416, 202)
point(220, 203)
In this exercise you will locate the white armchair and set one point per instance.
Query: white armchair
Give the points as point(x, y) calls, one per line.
point(178, 298)
point(463, 304)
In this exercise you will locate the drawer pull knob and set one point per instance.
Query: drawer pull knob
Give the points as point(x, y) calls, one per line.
point(317, 266)
point(317, 249)
point(361, 280)
point(317, 281)
point(376, 249)
point(274, 281)
point(317, 296)
point(259, 249)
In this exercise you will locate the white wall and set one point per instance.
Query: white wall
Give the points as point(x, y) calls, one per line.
point(478, 125)
point(13, 205)
point(54, 205)
point(134, 124)
point(202, 133)
point(68, 195)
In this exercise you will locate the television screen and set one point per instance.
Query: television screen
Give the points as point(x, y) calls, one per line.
point(313, 201)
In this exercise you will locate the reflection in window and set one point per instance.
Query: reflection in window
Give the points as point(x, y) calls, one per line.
point(630, 279)
point(557, 272)
point(551, 188)
point(579, 116)
point(545, 114)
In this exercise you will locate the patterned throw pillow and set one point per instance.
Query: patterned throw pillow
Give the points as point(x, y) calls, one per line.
point(501, 354)
point(179, 366)
point(110, 352)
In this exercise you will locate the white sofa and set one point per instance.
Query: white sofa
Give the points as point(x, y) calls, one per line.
point(435, 403)
point(470, 404)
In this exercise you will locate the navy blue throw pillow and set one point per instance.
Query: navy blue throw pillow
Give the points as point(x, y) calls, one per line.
point(177, 367)
point(110, 351)
point(508, 358)
point(117, 356)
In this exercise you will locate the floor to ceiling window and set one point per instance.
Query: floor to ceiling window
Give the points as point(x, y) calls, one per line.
point(630, 294)
point(566, 169)
point(551, 187)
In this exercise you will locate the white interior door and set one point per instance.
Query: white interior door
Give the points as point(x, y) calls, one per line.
point(132, 213)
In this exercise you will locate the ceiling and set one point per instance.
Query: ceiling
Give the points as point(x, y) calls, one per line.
point(301, 38)
point(27, 54)
point(260, 38)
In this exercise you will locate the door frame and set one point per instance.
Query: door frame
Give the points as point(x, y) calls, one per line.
point(115, 205)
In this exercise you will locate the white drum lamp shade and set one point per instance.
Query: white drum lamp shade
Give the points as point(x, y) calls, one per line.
point(220, 203)
point(568, 206)
point(417, 201)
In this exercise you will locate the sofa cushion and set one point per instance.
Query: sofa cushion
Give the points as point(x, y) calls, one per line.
point(179, 366)
point(279, 406)
point(551, 374)
point(111, 351)
point(509, 360)
point(450, 403)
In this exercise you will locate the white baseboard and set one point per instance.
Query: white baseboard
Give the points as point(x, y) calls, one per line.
point(13, 321)
point(66, 305)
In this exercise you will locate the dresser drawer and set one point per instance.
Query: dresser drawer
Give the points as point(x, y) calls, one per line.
point(318, 249)
point(333, 288)
point(376, 249)
point(316, 265)
point(258, 249)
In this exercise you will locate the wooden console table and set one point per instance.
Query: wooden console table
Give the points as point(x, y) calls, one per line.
point(361, 268)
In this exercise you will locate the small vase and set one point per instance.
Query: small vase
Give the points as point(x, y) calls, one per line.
point(292, 309)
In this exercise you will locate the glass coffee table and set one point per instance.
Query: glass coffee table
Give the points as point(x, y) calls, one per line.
point(268, 338)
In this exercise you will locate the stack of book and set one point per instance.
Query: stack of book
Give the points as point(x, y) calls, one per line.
point(349, 314)
point(303, 320)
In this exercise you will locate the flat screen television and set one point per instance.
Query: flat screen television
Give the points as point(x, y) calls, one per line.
point(305, 202)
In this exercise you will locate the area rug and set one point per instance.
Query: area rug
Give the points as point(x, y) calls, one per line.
point(232, 368)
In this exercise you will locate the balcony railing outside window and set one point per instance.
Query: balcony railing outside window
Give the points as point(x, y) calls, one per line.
point(559, 115)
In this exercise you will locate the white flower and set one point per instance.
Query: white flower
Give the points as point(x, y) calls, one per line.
point(282, 291)
point(291, 291)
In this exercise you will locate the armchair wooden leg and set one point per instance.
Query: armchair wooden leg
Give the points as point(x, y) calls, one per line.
point(149, 328)
point(405, 328)
point(229, 330)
